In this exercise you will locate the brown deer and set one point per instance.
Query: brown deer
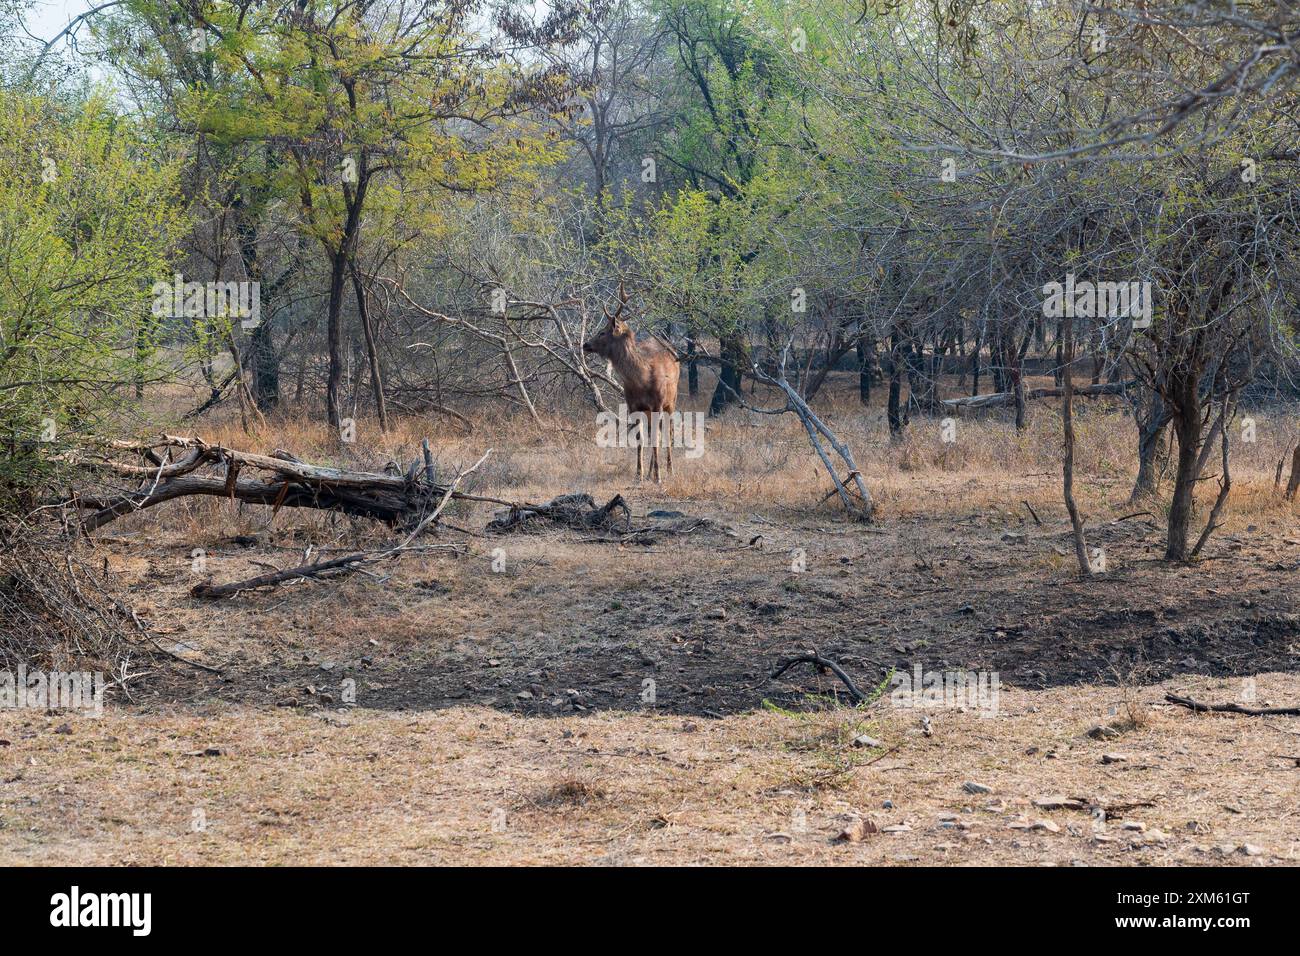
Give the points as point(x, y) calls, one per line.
point(648, 372)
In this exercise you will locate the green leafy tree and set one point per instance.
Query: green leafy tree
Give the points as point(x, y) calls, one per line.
point(366, 111)
point(88, 216)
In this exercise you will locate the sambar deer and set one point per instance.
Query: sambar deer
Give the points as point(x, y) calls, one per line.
point(648, 372)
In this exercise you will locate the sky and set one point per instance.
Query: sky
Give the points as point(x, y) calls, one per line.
point(47, 17)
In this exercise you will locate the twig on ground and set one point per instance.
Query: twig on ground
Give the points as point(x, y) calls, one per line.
point(826, 664)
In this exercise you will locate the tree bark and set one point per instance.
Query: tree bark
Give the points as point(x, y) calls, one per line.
point(286, 482)
point(1187, 430)
point(895, 387)
point(266, 367)
point(334, 331)
point(692, 367)
point(1293, 485)
point(864, 373)
point(731, 356)
point(1016, 376)
point(1152, 417)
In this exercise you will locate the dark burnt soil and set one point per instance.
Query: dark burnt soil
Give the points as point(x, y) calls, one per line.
point(702, 633)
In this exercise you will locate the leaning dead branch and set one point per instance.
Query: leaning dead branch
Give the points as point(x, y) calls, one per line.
point(170, 467)
point(611, 522)
point(857, 502)
point(61, 612)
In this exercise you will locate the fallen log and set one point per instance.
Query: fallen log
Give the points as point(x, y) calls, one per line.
point(283, 481)
point(212, 591)
point(1002, 399)
point(1232, 708)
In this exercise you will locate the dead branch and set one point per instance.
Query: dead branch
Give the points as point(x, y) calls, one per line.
point(863, 507)
point(345, 563)
point(1000, 399)
point(823, 664)
point(1232, 708)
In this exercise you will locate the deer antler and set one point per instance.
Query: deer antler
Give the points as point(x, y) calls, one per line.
point(622, 301)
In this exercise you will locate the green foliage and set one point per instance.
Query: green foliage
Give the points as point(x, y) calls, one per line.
point(88, 215)
point(337, 94)
point(759, 209)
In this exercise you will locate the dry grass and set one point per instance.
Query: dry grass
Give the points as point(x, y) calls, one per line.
point(477, 786)
point(753, 461)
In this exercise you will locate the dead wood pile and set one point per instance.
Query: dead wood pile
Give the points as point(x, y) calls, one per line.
point(59, 610)
point(610, 522)
point(577, 511)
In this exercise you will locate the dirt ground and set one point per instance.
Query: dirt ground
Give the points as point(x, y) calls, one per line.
point(230, 784)
point(568, 626)
point(395, 715)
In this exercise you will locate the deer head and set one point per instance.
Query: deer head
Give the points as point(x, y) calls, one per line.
point(608, 341)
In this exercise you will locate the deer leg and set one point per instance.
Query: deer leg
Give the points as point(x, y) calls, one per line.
point(654, 444)
point(640, 440)
point(669, 446)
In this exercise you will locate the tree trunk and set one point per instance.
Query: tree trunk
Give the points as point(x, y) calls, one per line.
point(731, 355)
point(1293, 485)
point(1152, 417)
point(864, 373)
point(1016, 381)
point(372, 354)
point(895, 387)
point(1187, 429)
point(1060, 355)
point(262, 356)
point(341, 258)
point(916, 385)
point(1067, 419)
point(692, 367)
point(266, 367)
point(334, 330)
